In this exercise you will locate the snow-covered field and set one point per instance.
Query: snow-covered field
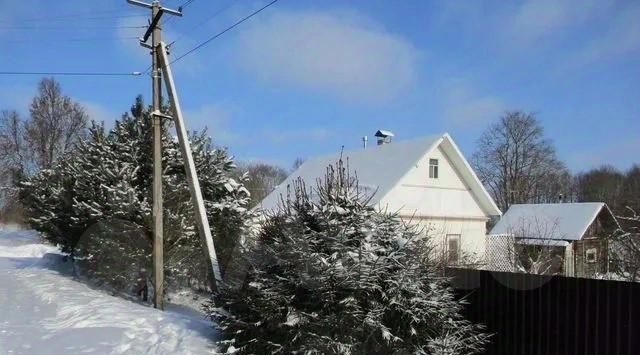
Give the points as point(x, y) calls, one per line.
point(43, 310)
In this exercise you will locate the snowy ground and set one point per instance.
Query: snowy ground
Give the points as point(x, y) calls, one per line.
point(43, 310)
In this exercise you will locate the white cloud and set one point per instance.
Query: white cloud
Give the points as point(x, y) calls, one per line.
point(537, 19)
point(216, 118)
point(16, 97)
point(620, 153)
point(99, 113)
point(127, 32)
point(464, 105)
point(342, 54)
point(621, 38)
point(317, 134)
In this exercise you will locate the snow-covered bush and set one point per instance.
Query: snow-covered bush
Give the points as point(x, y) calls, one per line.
point(107, 180)
point(624, 248)
point(329, 274)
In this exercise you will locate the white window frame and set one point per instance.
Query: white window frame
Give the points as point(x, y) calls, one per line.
point(433, 168)
point(592, 251)
point(450, 237)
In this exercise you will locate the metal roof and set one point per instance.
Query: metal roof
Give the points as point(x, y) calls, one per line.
point(379, 168)
point(557, 221)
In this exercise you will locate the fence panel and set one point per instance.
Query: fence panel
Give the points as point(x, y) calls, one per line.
point(535, 314)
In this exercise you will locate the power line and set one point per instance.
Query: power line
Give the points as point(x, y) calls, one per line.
point(223, 31)
point(65, 28)
point(209, 18)
point(135, 73)
point(76, 18)
point(79, 15)
point(186, 3)
point(218, 34)
point(180, 8)
point(61, 40)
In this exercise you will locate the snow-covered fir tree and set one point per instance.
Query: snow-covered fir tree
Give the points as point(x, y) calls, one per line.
point(96, 203)
point(329, 274)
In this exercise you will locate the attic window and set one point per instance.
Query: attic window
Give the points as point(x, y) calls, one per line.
point(433, 168)
point(591, 255)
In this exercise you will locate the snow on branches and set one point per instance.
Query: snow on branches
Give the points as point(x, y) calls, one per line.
point(102, 191)
point(328, 273)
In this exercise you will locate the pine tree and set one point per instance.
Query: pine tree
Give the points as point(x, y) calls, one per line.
point(96, 203)
point(329, 274)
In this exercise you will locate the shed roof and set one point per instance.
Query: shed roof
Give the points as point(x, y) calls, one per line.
point(557, 221)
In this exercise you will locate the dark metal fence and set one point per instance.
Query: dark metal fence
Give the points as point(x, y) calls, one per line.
point(533, 314)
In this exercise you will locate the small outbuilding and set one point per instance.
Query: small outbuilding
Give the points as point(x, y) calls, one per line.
point(568, 239)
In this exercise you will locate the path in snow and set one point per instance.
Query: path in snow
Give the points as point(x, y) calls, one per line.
point(43, 310)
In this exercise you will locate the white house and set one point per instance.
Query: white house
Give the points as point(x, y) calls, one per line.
point(426, 180)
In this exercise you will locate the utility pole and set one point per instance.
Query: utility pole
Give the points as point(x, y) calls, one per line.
point(159, 66)
point(158, 242)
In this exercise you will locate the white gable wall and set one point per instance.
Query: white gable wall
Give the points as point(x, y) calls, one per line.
point(444, 205)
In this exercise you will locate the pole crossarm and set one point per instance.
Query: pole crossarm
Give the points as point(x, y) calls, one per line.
point(152, 25)
point(149, 6)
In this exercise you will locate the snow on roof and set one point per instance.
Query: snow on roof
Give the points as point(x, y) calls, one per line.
point(557, 221)
point(378, 168)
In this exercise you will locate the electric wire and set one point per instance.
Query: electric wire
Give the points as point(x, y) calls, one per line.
point(11, 28)
point(180, 8)
point(234, 25)
point(62, 40)
point(199, 24)
point(135, 73)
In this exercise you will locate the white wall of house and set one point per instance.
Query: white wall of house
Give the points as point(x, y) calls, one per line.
point(445, 205)
point(472, 235)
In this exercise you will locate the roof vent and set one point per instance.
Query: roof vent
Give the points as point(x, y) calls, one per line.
point(384, 136)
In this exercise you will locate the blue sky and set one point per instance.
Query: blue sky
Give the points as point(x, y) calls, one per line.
point(305, 77)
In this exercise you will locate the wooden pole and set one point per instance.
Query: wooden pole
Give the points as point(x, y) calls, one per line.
point(158, 245)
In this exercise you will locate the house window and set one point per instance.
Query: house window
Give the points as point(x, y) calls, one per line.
point(453, 248)
point(433, 168)
point(591, 255)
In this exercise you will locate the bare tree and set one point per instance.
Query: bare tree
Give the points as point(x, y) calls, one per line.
point(56, 124)
point(631, 189)
point(14, 154)
point(528, 247)
point(14, 157)
point(603, 184)
point(263, 178)
point(625, 249)
point(515, 161)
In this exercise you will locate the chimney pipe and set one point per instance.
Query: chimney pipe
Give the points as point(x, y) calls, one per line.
point(364, 142)
point(561, 198)
point(384, 136)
